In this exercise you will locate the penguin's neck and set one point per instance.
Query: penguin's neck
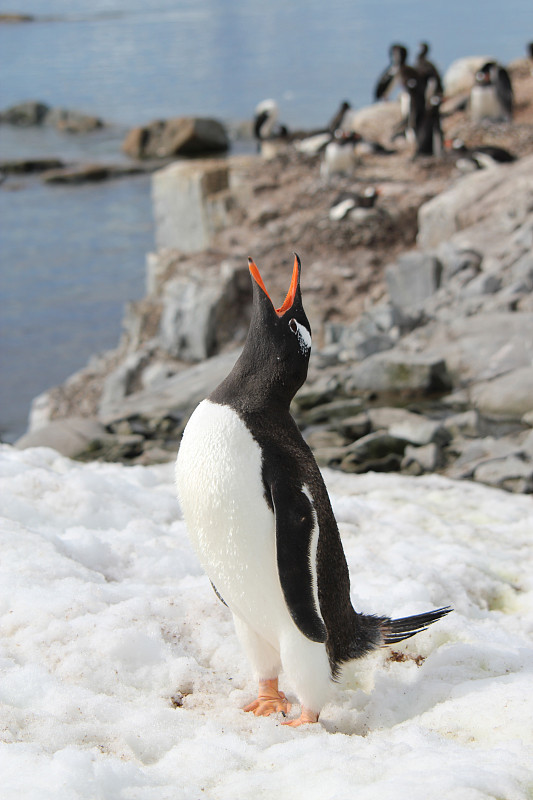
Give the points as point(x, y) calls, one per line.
point(252, 392)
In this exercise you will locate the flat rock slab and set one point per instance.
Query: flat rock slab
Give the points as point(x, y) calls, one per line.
point(70, 437)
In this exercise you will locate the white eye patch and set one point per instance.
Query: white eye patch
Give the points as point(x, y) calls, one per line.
point(302, 334)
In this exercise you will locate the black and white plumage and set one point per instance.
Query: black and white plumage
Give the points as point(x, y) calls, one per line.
point(420, 98)
point(428, 72)
point(469, 159)
point(347, 201)
point(259, 516)
point(265, 122)
point(492, 96)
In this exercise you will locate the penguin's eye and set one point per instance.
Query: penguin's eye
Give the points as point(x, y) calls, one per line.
point(302, 335)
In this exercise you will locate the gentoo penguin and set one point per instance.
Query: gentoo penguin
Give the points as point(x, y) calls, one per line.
point(412, 86)
point(339, 155)
point(481, 157)
point(259, 517)
point(346, 201)
point(428, 132)
point(265, 122)
point(428, 72)
point(491, 96)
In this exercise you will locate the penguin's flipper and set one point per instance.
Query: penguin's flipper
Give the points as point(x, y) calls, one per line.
point(384, 84)
point(296, 535)
point(504, 90)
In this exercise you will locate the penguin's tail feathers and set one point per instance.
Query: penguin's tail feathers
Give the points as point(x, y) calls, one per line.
point(396, 630)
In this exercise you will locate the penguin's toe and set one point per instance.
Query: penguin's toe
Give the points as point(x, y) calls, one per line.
point(307, 717)
point(269, 701)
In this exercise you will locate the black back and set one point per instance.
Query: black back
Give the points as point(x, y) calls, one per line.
point(272, 367)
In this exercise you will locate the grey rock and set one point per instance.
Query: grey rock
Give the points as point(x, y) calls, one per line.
point(466, 423)
point(201, 314)
point(509, 396)
point(179, 394)
point(70, 121)
point(398, 371)
point(354, 427)
point(414, 278)
point(512, 473)
point(122, 381)
point(322, 438)
point(70, 437)
point(31, 112)
point(375, 446)
point(316, 393)
point(478, 347)
point(456, 259)
point(185, 136)
point(338, 409)
point(190, 203)
point(418, 460)
point(483, 284)
point(403, 424)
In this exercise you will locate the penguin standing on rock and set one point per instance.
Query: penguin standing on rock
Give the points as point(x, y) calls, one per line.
point(260, 519)
point(491, 96)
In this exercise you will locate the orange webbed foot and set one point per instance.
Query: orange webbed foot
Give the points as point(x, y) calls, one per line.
point(269, 700)
point(307, 717)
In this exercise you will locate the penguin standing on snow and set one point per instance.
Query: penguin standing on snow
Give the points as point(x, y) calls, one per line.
point(260, 519)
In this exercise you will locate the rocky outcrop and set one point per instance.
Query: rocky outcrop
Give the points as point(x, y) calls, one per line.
point(34, 112)
point(181, 136)
point(190, 201)
point(433, 373)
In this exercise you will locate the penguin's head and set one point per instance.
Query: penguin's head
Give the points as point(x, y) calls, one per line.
point(279, 338)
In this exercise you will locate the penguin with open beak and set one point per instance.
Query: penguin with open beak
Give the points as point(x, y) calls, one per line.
point(260, 519)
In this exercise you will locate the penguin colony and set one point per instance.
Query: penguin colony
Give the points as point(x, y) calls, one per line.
point(260, 519)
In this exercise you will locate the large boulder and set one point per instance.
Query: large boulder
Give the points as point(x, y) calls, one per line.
point(508, 396)
point(398, 371)
point(31, 112)
point(190, 202)
point(203, 313)
point(480, 210)
point(179, 394)
point(412, 279)
point(180, 136)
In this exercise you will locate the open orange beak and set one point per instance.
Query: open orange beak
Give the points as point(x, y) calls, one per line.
point(291, 294)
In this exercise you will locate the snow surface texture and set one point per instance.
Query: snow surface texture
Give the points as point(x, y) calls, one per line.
point(122, 678)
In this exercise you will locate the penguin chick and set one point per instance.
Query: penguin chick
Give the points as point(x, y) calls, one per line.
point(259, 516)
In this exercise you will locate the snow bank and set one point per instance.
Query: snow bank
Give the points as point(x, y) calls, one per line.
point(122, 679)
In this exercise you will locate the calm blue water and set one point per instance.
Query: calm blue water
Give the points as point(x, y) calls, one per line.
point(71, 257)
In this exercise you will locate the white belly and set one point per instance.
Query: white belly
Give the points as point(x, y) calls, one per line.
point(218, 475)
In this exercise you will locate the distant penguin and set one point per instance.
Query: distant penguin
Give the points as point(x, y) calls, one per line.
point(259, 517)
point(428, 132)
point(339, 155)
point(470, 159)
point(428, 72)
point(265, 122)
point(396, 74)
point(412, 90)
point(346, 201)
point(491, 96)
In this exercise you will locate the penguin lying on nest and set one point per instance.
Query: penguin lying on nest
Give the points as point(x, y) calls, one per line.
point(259, 516)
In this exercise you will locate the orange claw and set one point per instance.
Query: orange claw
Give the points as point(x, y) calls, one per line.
point(269, 700)
point(306, 718)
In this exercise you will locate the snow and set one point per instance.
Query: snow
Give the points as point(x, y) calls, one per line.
point(122, 679)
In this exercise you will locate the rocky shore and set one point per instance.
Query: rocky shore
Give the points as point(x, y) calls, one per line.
point(421, 307)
